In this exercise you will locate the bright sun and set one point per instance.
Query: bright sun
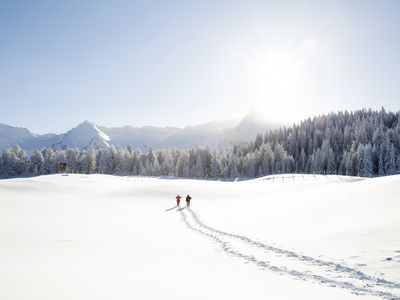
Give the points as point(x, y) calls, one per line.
point(279, 76)
point(279, 79)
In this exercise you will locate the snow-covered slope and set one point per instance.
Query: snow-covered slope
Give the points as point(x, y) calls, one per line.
point(211, 134)
point(39, 141)
point(139, 137)
point(251, 125)
point(285, 237)
point(11, 136)
point(85, 135)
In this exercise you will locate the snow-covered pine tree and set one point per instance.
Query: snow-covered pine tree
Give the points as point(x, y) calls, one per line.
point(364, 156)
point(199, 170)
point(215, 167)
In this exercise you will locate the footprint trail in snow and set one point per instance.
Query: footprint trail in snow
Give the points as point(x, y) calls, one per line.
point(296, 265)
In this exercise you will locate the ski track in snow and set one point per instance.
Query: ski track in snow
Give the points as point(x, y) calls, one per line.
point(296, 265)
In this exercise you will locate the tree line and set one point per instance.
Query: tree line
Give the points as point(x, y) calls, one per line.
point(361, 143)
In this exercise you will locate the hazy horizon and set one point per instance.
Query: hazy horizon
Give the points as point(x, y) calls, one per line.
point(258, 115)
point(136, 126)
point(181, 64)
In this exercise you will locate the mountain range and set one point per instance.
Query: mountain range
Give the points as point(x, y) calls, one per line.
point(89, 134)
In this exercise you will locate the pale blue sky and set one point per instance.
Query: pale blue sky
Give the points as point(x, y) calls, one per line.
point(178, 63)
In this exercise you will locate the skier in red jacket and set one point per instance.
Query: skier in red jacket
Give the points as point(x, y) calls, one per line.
point(178, 200)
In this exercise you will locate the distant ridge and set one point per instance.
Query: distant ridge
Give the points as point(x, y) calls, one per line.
point(88, 134)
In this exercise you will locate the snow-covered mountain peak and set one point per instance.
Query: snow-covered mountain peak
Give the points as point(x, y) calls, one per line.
point(88, 129)
point(254, 116)
point(85, 135)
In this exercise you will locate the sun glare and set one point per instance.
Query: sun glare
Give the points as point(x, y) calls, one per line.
point(279, 75)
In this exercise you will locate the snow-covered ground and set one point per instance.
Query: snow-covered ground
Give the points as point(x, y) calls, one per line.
point(285, 237)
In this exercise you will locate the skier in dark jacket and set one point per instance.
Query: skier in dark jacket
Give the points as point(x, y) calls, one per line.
point(178, 200)
point(188, 198)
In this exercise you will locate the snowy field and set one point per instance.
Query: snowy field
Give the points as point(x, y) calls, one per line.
point(105, 237)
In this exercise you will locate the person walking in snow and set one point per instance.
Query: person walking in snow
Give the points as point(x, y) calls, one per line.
point(178, 200)
point(188, 198)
